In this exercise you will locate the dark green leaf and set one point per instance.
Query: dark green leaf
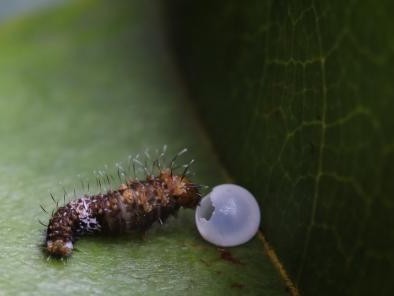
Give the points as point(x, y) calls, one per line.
point(298, 98)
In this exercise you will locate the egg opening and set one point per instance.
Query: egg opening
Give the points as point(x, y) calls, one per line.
point(207, 208)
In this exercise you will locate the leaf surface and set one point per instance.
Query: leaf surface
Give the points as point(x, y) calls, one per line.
point(297, 97)
point(83, 86)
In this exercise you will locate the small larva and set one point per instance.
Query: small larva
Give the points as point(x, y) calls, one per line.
point(134, 205)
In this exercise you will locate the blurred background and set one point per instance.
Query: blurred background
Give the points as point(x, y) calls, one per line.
point(290, 99)
point(10, 9)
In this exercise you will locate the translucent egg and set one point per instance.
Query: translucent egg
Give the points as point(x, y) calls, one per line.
point(228, 216)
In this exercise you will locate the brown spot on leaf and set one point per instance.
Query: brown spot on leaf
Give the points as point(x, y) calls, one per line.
point(228, 256)
point(236, 285)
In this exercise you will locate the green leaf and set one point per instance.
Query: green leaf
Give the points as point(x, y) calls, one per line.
point(85, 85)
point(304, 90)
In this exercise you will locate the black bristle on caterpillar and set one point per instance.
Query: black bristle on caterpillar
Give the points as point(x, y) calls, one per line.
point(134, 205)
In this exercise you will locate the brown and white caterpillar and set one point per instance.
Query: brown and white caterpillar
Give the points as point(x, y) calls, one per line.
point(134, 205)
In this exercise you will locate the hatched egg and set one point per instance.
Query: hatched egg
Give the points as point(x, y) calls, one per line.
point(228, 216)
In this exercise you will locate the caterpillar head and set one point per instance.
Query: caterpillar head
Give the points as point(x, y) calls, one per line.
point(59, 248)
point(185, 192)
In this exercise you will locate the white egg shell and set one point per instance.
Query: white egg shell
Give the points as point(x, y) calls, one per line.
point(228, 216)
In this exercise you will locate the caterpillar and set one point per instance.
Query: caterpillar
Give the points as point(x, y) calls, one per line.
point(134, 205)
